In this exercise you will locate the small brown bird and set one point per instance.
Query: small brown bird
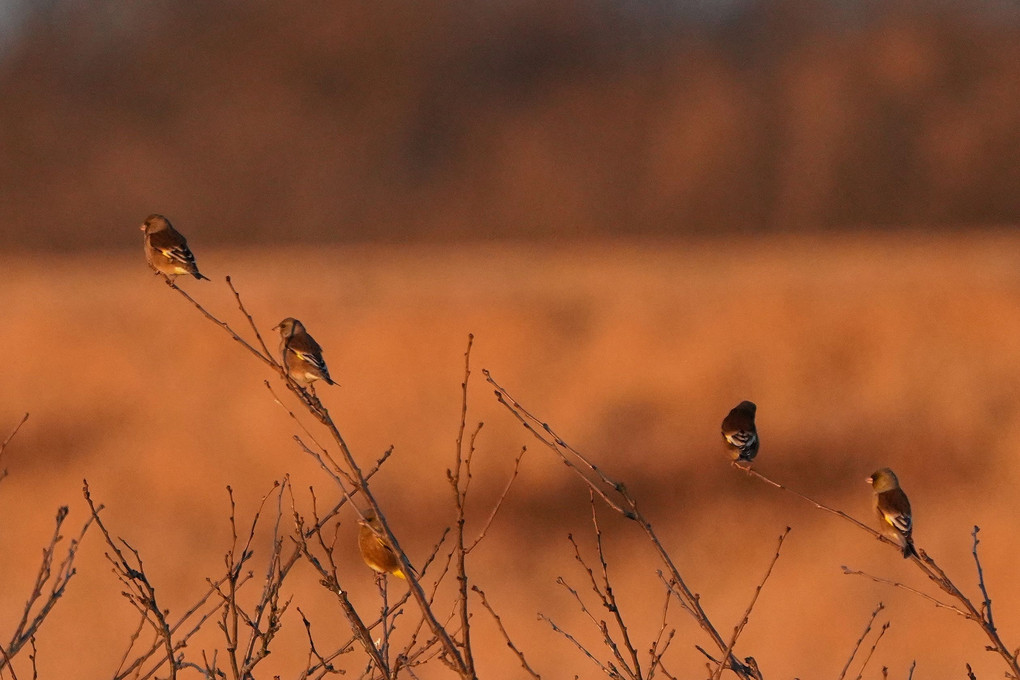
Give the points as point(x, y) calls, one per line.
point(166, 250)
point(739, 432)
point(375, 550)
point(302, 356)
point(893, 510)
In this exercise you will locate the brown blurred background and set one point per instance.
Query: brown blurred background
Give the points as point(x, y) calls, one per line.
point(645, 212)
point(351, 121)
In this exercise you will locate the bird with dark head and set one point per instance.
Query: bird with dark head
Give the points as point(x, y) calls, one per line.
point(166, 249)
point(893, 510)
point(302, 356)
point(739, 432)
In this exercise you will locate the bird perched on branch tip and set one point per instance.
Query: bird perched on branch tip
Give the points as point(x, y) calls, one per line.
point(739, 432)
point(166, 249)
point(302, 356)
point(893, 509)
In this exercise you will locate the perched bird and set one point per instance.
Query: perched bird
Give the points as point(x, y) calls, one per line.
point(893, 510)
point(375, 550)
point(167, 250)
point(302, 356)
point(739, 432)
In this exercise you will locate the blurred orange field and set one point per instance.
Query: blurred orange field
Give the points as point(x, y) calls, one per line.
point(861, 351)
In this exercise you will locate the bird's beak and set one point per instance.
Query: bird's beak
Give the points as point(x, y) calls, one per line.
point(142, 227)
point(870, 480)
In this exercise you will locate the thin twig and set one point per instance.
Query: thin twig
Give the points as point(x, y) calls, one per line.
point(499, 502)
point(265, 358)
point(251, 321)
point(577, 644)
point(878, 639)
point(599, 625)
point(747, 613)
point(462, 466)
point(896, 584)
point(659, 646)
point(506, 636)
point(322, 664)
point(860, 640)
point(7, 663)
point(333, 469)
point(3, 446)
point(17, 427)
point(609, 601)
point(30, 623)
point(986, 605)
point(821, 506)
point(142, 593)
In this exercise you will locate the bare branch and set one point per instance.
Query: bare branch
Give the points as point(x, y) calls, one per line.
point(896, 584)
point(451, 653)
point(616, 496)
point(329, 579)
point(878, 639)
point(323, 665)
point(506, 636)
point(3, 446)
point(577, 644)
point(499, 501)
point(251, 321)
point(265, 358)
point(609, 601)
point(660, 645)
point(30, 622)
point(141, 594)
point(462, 466)
point(7, 663)
point(929, 568)
point(986, 604)
point(860, 640)
point(747, 613)
point(818, 504)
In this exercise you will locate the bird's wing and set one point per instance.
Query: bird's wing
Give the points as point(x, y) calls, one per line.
point(173, 247)
point(896, 509)
point(382, 543)
point(313, 358)
point(741, 438)
point(182, 255)
point(899, 520)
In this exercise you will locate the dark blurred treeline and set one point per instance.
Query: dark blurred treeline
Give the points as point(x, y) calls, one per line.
point(320, 121)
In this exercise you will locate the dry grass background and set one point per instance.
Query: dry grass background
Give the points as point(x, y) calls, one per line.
point(861, 351)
